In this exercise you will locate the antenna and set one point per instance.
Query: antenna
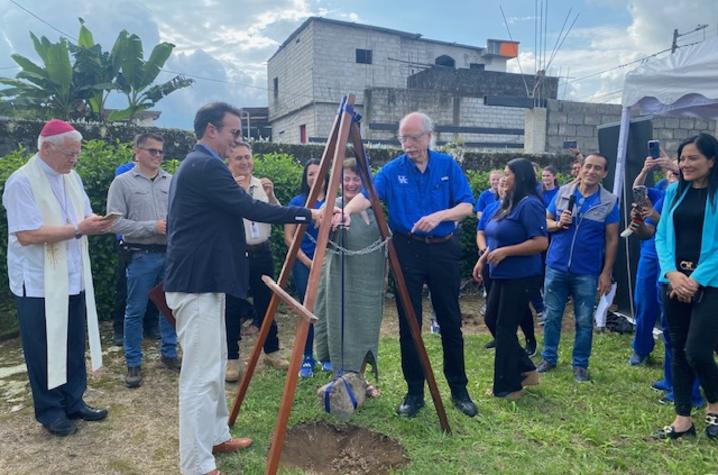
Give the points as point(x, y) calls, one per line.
point(518, 60)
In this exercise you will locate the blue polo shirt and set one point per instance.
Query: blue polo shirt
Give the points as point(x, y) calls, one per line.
point(308, 245)
point(488, 213)
point(648, 247)
point(548, 196)
point(485, 199)
point(527, 220)
point(410, 194)
point(580, 248)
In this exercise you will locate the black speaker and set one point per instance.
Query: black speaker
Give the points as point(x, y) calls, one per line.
point(639, 133)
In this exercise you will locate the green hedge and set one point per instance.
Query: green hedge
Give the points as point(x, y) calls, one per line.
point(96, 167)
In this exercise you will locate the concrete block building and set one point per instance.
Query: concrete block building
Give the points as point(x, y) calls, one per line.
point(324, 59)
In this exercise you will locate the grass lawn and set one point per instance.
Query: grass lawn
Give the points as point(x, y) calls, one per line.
point(557, 427)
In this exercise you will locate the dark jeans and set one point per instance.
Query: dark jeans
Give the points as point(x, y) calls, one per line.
point(507, 305)
point(527, 321)
point(151, 318)
point(65, 399)
point(694, 334)
point(300, 274)
point(437, 265)
point(260, 263)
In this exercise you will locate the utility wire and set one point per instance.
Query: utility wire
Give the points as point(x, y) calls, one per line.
point(37, 17)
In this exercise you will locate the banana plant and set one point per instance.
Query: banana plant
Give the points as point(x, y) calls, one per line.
point(136, 76)
point(47, 89)
point(94, 72)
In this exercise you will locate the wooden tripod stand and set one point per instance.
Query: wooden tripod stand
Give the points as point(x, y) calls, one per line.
point(345, 128)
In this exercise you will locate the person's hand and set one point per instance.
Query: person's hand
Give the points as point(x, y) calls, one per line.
point(497, 255)
point(565, 219)
point(682, 287)
point(94, 224)
point(604, 283)
point(268, 189)
point(478, 269)
point(340, 219)
point(427, 223)
point(161, 226)
point(636, 214)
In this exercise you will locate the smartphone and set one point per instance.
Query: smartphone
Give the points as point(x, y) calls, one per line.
point(570, 144)
point(654, 148)
point(640, 196)
point(113, 215)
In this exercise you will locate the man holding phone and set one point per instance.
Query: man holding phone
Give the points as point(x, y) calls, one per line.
point(140, 198)
point(49, 217)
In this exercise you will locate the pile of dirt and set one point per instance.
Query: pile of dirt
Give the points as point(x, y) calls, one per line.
point(325, 449)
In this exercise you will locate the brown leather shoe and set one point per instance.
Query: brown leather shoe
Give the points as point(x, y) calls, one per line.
point(530, 378)
point(232, 445)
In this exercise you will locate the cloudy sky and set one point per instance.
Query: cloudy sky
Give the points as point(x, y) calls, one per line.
point(224, 44)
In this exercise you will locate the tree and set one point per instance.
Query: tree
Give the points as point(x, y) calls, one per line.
point(137, 75)
point(79, 90)
point(47, 89)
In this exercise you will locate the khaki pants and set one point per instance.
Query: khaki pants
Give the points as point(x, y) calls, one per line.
point(203, 414)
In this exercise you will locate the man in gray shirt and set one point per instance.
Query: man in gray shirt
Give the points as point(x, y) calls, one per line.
point(140, 197)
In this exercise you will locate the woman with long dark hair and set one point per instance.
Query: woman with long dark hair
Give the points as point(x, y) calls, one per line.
point(549, 184)
point(300, 271)
point(516, 237)
point(687, 248)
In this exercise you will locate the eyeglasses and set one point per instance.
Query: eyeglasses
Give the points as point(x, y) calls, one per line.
point(155, 152)
point(410, 138)
point(236, 133)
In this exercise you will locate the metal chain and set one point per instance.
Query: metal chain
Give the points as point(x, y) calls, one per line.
point(334, 248)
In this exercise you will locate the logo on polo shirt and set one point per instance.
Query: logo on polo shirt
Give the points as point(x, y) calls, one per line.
point(403, 179)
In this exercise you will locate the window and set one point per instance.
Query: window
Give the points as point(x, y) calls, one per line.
point(276, 87)
point(303, 133)
point(363, 56)
point(445, 60)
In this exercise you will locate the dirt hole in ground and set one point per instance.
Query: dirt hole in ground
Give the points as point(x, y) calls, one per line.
point(325, 449)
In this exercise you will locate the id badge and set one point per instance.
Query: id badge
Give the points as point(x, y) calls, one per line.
point(253, 230)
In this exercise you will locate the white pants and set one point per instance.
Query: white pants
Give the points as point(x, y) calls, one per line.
point(203, 414)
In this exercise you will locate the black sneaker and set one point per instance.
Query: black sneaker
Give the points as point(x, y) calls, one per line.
point(134, 377)
point(531, 348)
point(581, 375)
point(491, 344)
point(545, 366)
point(712, 425)
point(171, 363)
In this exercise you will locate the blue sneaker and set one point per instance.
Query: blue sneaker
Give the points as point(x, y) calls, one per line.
point(307, 369)
point(327, 366)
point(660, 385)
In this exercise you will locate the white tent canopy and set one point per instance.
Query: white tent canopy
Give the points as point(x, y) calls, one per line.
point(684, 84)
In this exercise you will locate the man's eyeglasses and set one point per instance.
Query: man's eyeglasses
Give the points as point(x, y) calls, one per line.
point(410, 138)
point(236, 133)
point(155, 152)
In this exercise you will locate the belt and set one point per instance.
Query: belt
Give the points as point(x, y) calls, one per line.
point(132, 247)
point(687, 266)
point(262, 246)
point(430, 239)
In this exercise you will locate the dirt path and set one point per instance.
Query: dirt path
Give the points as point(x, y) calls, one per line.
point(140, 435)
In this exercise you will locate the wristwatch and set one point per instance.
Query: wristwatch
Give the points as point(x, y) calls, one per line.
point(78, 234)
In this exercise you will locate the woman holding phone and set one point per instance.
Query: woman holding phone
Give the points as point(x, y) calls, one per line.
point(687, 248)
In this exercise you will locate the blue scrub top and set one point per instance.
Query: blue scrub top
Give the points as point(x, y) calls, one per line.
point(410, 194)
point(486, 198)
point(548, 196)
point(308, 245)
point(527, 220)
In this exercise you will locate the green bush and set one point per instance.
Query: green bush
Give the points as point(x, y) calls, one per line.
point(97, 165)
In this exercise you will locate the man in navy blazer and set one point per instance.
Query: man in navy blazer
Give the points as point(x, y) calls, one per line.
point(206, 259)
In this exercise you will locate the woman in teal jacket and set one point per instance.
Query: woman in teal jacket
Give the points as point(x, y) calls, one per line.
point(687, 248)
